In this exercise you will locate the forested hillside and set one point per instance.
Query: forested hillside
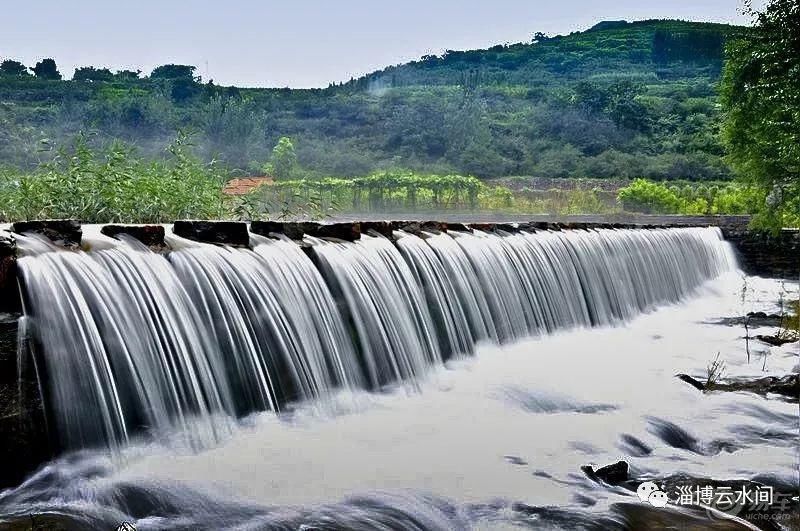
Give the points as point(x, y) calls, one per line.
point(620, 100)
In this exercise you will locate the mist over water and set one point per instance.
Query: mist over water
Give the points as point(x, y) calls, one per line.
point(454, 440)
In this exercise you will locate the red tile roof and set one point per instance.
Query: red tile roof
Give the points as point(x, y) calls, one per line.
point(245, 185)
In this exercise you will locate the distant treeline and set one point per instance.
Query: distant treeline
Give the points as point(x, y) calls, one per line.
point(620, 100)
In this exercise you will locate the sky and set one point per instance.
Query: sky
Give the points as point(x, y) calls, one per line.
point(301, 43)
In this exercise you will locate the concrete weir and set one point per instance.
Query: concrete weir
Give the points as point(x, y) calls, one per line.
point(24, 439)
point(776, 255)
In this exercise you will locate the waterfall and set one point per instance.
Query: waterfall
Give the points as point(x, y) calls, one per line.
point(131, 341)
point(394, 328)
point(121, 343)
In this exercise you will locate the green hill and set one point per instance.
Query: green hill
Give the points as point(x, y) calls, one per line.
point(619, 100)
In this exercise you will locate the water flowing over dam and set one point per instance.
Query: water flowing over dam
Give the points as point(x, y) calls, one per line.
point(129, 341)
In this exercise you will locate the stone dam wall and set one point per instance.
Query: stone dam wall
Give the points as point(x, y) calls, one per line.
point(24, 439)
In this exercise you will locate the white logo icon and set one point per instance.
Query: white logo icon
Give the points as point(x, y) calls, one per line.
point(658, 499)
point(651, 493)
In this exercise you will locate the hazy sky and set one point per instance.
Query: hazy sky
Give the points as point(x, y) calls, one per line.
point(301, 43)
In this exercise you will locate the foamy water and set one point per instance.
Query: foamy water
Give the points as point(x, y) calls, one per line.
point(511, 424)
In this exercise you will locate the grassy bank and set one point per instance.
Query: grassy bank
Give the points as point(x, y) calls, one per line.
point(115, 184)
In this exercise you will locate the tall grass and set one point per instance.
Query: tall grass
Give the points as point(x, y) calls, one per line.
point(115, 185)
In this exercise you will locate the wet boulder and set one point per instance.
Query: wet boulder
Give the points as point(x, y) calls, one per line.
point(418, 227)
point(533, 226)
point(457, 227)
point(384, 228)
point(268, 228)
point(483, 227)
point(9, 292)
point(697, 384)
point(494, 227)
point(24, 441)
point(579, 225)
point(233, 233)
point(151, 236)
point(613, 474)
point(347, 231)
point(64, 232)
point(752, 320)
point(777, 340)
point(8, 245)
point(415, 227)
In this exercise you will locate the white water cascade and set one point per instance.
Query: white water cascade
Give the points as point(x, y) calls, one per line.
point(129, 341)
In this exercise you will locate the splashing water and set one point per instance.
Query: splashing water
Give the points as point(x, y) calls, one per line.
point(492, 441)
point(133, 341)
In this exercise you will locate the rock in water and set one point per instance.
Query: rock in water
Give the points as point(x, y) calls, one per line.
point(613, 474)
point(692, 381)
point(776, 341)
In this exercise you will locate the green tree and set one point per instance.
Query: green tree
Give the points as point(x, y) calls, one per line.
point(180, 80)
point(183, 89)
point(9, 67)
point(283, 161)
point(128, 74)
point(230, 125)
point(761, 96)
point(46, 69)
point(171, 71)
point(90, 73)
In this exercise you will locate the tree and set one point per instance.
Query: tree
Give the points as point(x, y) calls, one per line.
point(182, 83)
point(46, 69)
point(10, 67)
point(185, 72)
point(283, 161)
point(539, 37)
point(230, 125)
point(761, 96)
point(183, 90)
point(591, 97)
point(128, 74)
point(90, 73)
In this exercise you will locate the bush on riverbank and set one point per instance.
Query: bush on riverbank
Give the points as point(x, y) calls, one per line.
point(722, 198)
point(115, 185)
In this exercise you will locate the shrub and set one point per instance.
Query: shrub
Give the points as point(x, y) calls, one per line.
point(649, 197)
point(114, 185)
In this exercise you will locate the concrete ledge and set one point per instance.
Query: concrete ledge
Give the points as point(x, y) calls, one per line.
point(232, 233)
point(759, 254)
